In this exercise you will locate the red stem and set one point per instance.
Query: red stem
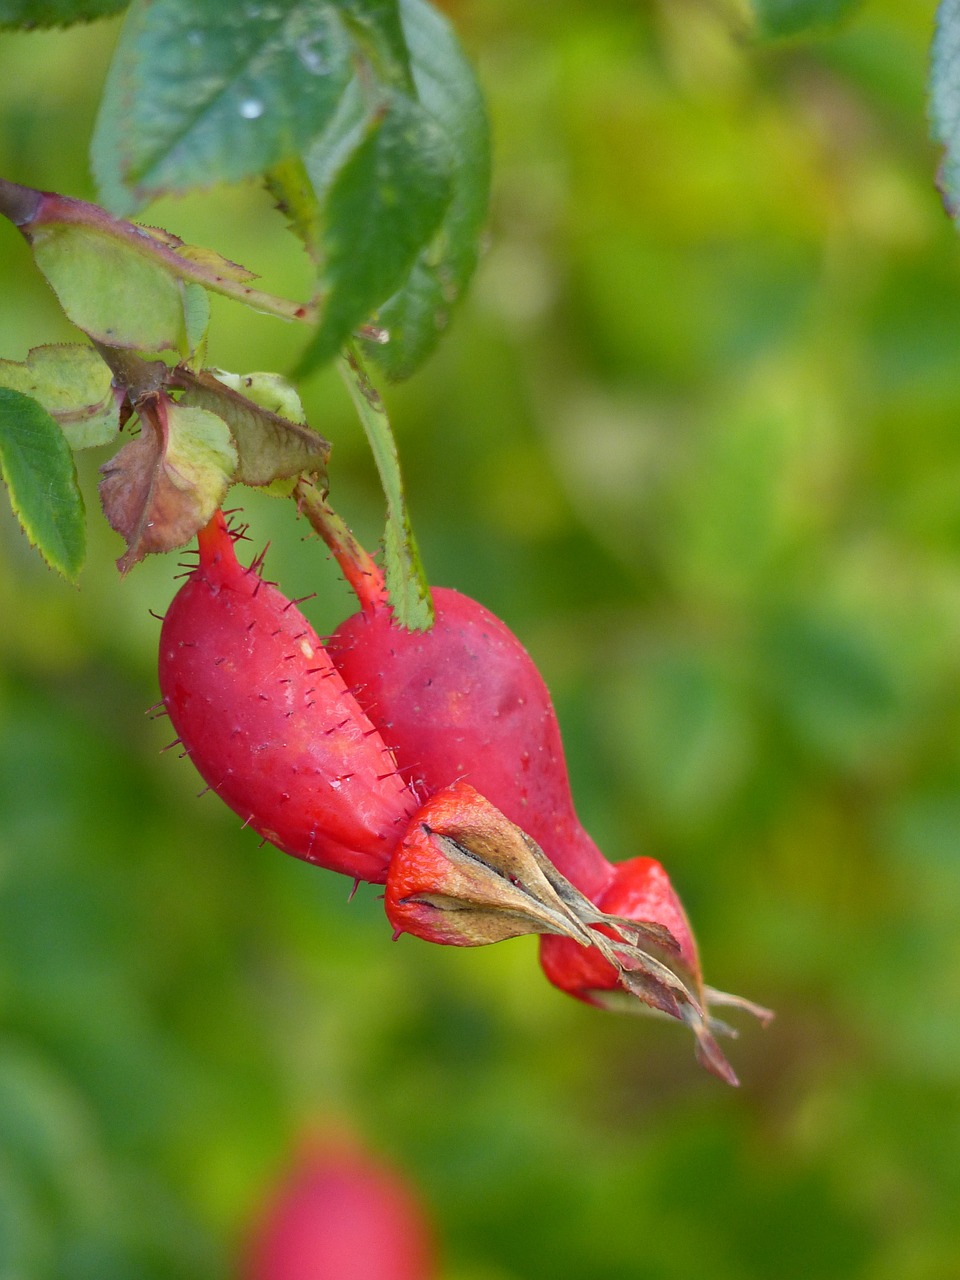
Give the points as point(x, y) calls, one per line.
point(357, 565)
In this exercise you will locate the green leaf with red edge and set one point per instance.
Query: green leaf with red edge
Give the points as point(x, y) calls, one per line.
point(37, 465)
point(94, 261)
point(75, 387)
point(164, 486)
point(419, 311)
point(201, 92)
point(382, 207)
point(113, 293)
point(55, 13)
point(779, 18)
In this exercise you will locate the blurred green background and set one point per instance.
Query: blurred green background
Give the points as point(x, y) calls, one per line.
point(695, 437)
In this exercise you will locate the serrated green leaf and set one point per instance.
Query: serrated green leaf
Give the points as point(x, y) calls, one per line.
point(407, 583)
point(166, 484)
point(74, 386)
point(382, 208)
point(201, 92)
point(265, 418)
point(37, 466)
point(56, 13)
point(778, 18)
point(418, 313)
point(293, 192)
point(118, 296)
point(212, 266)
point(945, 101)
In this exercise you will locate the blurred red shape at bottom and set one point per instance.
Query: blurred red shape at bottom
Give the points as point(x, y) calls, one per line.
point(340, 1214)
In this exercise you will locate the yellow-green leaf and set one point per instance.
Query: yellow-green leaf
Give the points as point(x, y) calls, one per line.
point(75, 387)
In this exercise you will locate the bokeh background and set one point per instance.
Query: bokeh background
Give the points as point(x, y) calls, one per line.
point(694, 435)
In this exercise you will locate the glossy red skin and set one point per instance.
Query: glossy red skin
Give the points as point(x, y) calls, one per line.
point(339, 1215)
point(269, 724)
point(465, 700)
point(640, 890)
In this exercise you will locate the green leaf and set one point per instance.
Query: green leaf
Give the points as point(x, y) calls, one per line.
point(417, 314)
point(777, 18)
point(56, 13)
point(37, 466)
point(74, 386)
point(945, 101)
point(290, 186)
point(166, 484)
point(43, 216)
point(265, 418)
point(270, 391)
point(201, 92)
point(196, 314)
point(117, 295)
point(377, 24)
point(382, 208)
point(345, 131)
point(407, 583)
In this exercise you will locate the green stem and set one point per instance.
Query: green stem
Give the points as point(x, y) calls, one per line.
point(407, 584)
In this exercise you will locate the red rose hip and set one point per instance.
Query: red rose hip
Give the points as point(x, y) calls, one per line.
point(464, 700)
point(269, 723)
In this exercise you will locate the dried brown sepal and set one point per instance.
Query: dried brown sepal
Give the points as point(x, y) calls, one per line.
point(163, 486)
point(466, 876)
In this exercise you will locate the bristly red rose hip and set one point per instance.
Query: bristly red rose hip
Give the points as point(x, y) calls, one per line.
point(271, 726)
point(268, 722)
